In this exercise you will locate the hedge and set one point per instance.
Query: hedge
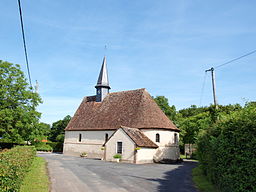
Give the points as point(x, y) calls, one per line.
point(43, 147)
point(49, 146)
point(14, 164)
point(56, 146)
point(226, 152)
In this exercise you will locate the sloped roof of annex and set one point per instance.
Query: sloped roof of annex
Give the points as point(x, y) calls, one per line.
point(137, 136)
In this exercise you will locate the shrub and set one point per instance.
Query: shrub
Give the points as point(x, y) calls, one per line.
point(117, 156)
point(43, 147)
point(14, 164)
point(226, 152)
point(56, 146)
point(84, 154)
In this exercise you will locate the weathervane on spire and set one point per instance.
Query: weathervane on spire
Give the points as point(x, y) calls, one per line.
point(105, 50)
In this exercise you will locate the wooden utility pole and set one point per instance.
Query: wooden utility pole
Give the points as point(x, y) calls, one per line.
point(213, 86)
point(36, 87)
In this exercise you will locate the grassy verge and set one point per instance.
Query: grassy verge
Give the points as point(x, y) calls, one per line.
point(190, 159)
point(36, 180)
point(201, 181)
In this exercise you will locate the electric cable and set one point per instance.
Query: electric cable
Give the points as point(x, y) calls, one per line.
point(247, 54)
point(202, 89)
point(24, 42)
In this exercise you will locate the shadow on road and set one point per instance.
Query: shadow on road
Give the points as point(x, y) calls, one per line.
point(178, 180)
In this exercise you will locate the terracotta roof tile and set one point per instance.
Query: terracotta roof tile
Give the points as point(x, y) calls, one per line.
point(139, 138)
point(134, 108)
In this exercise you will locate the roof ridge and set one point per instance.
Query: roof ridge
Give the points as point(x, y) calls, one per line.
point(140, 89)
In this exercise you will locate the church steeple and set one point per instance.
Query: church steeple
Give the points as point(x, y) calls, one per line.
point(102, 87)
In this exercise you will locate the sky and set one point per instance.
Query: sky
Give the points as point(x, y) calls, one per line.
point(164, 46)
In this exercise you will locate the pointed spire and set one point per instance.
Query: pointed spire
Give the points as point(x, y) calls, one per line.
point(103, 76)
point(102, 87)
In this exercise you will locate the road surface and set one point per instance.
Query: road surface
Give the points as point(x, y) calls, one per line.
point(76, 174)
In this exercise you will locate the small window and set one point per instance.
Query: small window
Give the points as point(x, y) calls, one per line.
point(106, 137)
point(119, 148)
point(175, 138)
point(80, 137)
point(157, 137)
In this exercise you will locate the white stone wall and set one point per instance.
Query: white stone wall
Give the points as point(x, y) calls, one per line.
point(145, 155)
point(168, 150)
point(91, 143)
point(128, 147)
point(166, 136)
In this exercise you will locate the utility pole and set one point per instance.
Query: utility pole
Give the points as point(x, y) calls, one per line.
point(213, 86)
point(36, 87)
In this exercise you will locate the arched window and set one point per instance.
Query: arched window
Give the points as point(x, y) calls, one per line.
point(106, 137)
point(80, 137)
point(175, 138)
point(157, 137)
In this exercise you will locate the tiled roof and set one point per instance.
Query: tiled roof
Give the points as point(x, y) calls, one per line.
point(139, 138)
point(134, 108)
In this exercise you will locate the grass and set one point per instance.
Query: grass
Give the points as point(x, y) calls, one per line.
point(36, 180)
point(184, 157)
point(201, 181)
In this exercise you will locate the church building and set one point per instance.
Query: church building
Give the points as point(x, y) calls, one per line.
point(128, 123)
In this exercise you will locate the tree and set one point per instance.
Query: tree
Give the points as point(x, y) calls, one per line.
point(192, 110)
point(194, 119)
point(41, 131)
point(18, 102)
point(170, 111)
point(191, 126)
point(57, 130)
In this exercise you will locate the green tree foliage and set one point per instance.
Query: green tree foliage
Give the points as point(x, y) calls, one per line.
point(170, 111)
point(57, 130)
point(192, 111)
point(226, 150)
point(42, 130)
point(18, 115)
point(191, 126)
point(193, 119)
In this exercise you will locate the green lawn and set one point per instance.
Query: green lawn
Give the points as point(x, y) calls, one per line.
point(36, 179)
point(182, 156)
point(201, 181)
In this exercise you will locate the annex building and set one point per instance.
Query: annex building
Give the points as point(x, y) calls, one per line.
point(128, 123)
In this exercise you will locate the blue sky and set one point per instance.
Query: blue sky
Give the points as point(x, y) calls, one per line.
point(163, 46)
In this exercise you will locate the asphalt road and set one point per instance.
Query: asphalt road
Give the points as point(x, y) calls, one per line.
point(75, 174)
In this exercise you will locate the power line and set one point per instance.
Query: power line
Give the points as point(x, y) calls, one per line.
point(24, 43)
point(213, 74)
point(235, 59)
point(202, 89)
